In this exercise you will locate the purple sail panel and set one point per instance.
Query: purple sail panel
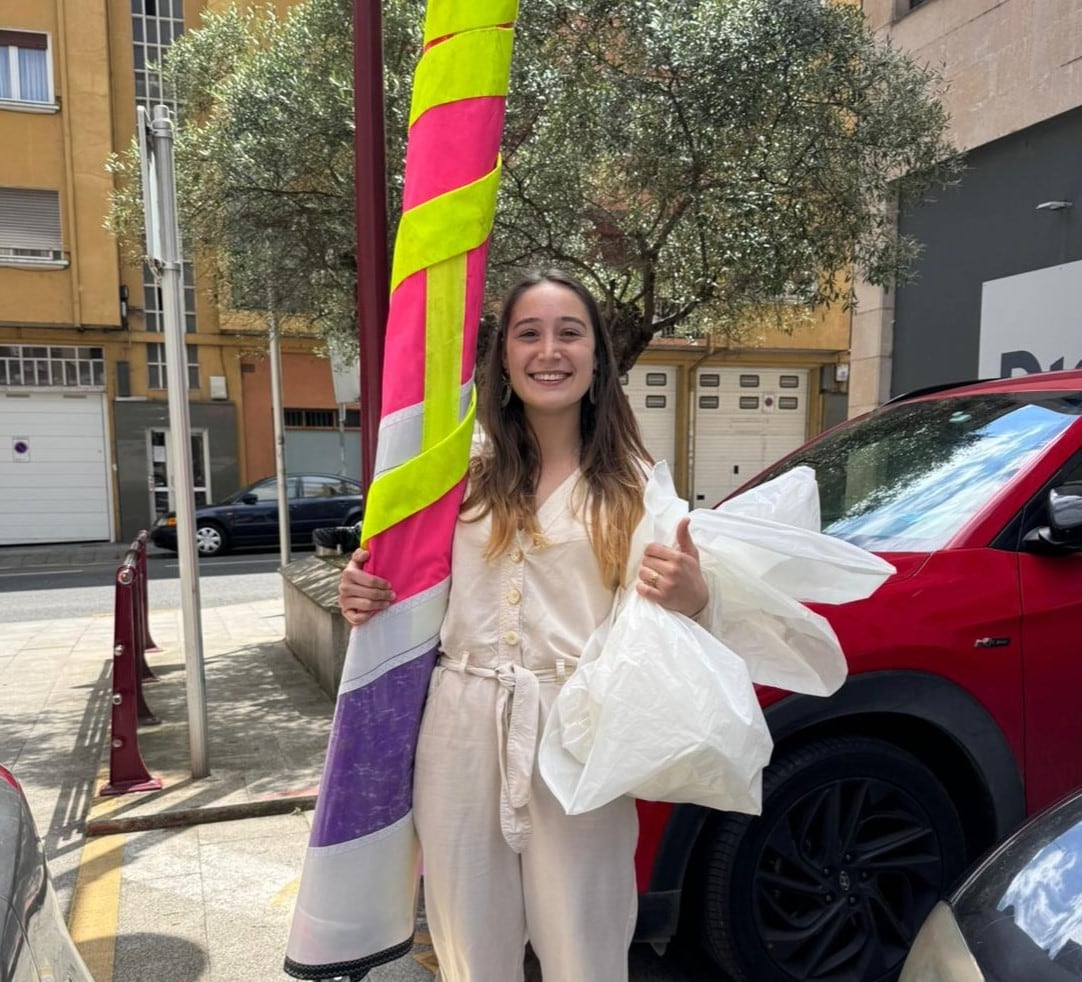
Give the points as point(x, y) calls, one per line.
point(368, 779)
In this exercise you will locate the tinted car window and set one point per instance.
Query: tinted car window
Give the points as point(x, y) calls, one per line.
point(1021, 912)
point(328, 487)
point(908, 478)
point(267, 490)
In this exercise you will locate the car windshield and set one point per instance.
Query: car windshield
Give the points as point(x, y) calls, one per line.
point(1021, 906)
point(909, 477)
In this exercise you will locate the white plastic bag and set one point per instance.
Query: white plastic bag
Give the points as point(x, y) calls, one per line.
point(661, 708)
point(666, 709)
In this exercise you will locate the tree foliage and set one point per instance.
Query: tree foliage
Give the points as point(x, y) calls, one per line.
point(693, 160)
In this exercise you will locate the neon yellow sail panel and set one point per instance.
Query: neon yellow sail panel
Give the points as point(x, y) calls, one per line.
point(358, 892)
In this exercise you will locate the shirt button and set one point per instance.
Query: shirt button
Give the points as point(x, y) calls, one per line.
point(513, 597)
point(516, 556)
point(511, 637)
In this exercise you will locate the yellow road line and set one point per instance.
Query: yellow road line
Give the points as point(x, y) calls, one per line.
point(96, 905)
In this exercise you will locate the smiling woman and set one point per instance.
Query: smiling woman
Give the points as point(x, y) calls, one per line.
point(548, 534)
point(549, 359)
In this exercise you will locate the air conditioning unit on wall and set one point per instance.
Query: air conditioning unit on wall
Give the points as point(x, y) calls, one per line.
point(218, 388)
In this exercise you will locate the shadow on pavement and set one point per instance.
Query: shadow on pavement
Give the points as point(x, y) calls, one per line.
point(174, 958)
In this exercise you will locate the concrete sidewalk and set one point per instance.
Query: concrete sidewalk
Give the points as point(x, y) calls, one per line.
point(188, 899)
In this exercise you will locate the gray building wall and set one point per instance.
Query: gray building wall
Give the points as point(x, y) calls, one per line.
point(133, 420)
point(320, 452)
point(987, 228)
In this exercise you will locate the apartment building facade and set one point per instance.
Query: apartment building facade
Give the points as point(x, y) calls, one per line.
point(84, 422)
point(999, 285)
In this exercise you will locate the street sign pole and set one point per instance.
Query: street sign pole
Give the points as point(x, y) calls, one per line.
point(176, 361)
point(370, 179)
point(274, 342)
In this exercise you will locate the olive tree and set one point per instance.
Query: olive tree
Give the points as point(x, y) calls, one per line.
point(696, 162)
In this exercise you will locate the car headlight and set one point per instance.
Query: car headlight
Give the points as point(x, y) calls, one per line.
point(166, 521)
point(940, 953)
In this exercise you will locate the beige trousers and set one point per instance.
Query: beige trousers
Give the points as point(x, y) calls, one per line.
point(502, 862)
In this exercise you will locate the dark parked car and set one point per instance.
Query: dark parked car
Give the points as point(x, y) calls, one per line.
point(34, 940)
point(249, 517)
point(1017, 917)
point(962, 712)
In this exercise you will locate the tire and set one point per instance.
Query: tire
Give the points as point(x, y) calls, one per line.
point(210, 539)
point(856, 842)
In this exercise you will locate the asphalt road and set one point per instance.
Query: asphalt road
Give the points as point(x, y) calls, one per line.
point(80, 589)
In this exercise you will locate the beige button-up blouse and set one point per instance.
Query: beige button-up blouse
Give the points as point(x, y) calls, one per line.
point(537, 604)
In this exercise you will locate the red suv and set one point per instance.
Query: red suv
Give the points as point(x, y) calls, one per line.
point(963, 708)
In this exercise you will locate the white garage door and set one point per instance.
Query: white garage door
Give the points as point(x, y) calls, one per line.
point(651, 390)
point(745, 419)
point(54, 476)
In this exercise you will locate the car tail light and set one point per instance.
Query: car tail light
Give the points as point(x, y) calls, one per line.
point(8, 778)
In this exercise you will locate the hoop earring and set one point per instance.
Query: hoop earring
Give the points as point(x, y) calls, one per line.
point(593, 390)
point(505, 396)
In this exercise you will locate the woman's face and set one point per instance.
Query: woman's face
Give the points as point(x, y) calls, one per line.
point(549, 353)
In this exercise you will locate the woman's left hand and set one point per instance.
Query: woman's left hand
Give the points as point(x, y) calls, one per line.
point(672, 577)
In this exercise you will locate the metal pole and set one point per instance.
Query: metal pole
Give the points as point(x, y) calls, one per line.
point(373, 270)
point(341, 440)
point(275, 343)
point(176, 363)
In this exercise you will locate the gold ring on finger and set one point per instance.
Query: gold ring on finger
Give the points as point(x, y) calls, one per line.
point(654, 577)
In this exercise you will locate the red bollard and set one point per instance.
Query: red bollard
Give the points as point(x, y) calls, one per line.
point(127, 772)
point(148, 641)
point(142, 623)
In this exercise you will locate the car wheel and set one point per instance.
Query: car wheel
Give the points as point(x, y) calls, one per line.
point(353, 518)
point(209, 539)
point(856, 842)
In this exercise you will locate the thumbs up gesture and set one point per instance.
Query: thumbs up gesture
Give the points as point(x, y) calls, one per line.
point(672, 577)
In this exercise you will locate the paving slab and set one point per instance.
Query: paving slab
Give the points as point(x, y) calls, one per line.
point(207, 891)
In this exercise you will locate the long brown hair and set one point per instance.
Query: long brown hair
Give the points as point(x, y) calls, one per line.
point(503, 478)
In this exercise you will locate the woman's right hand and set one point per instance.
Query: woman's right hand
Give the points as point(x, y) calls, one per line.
point(360, 594)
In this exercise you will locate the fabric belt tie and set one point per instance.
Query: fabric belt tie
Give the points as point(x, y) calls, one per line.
point(518, 715)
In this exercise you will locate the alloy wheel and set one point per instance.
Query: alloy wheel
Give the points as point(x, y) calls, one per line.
point(843, 876)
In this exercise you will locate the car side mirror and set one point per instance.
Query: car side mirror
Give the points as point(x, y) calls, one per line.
point(1063, 533)
point(249, 498)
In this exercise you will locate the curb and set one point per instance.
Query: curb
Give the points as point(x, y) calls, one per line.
point(183, 817)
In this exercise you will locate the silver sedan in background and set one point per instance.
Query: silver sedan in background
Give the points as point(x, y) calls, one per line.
point(34, 942)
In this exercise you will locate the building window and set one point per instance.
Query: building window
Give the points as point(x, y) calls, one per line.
point(25, 67)
point(157, 377)
point(155, 25)
point(30, 226)
point(152, 301)
point(24, 364)
point(320, 419)
point(311, 419)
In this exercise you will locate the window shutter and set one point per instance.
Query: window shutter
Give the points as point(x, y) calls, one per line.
point(30, 219)
point(25, 39)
